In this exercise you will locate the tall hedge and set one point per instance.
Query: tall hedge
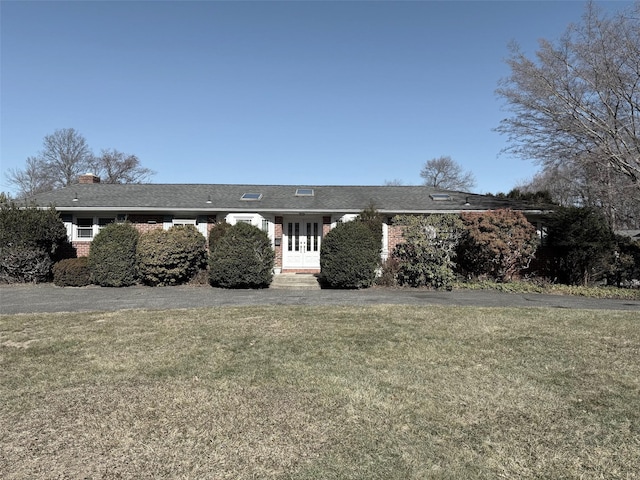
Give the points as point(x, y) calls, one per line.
point(112, 256)
point(31, 239)
point(349, 256)
point(242, 258)
point(579, 240)
point(170, 257)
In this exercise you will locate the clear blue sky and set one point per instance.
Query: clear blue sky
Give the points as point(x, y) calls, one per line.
point(271, 92)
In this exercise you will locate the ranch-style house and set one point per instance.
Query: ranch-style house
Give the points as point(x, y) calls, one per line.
point(296, 217)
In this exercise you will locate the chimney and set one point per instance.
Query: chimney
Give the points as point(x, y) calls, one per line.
point(88, 178)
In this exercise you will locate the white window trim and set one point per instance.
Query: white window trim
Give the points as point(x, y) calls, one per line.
point(95, 227)
point(183, 221)
point(250, 218)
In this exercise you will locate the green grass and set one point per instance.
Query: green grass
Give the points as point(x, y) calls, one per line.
point(382, 392)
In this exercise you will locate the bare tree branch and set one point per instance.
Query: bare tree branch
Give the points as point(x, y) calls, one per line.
point(30, 180)
point(117, 167)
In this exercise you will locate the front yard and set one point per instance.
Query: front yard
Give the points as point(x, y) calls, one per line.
point(388, 392)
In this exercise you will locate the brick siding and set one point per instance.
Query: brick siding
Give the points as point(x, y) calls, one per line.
point(278, 221)
point(395, 234)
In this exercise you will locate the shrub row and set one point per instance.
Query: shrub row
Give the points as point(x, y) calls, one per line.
point(498, 245)
point(241, 256)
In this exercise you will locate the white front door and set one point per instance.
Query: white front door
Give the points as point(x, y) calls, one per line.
point(301, 242)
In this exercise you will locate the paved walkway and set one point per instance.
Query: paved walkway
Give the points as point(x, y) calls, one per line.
point(49, 298)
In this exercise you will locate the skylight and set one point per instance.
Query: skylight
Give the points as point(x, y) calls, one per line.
point(251, 196)
point(304, 192)
point(440, 197)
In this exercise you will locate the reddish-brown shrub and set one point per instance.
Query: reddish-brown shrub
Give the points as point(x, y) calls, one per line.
point(497, 244)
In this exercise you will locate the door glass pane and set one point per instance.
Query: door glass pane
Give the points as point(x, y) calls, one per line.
point(309, 240)
point(297, 236)
point(316, 239)
point(289, 237)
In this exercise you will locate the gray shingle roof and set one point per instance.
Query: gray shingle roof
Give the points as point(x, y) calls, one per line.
point(275, 198)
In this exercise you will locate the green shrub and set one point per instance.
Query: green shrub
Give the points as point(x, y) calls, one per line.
point(426, 256)
point(497, 244)
point(112, 256)
point(170, 257)
point(349, 256)
point(579, 241)
point(72, 272)
point(623, 265)
point(372, 219)
point(216, 233)
point(30, 241)
point(242, 258)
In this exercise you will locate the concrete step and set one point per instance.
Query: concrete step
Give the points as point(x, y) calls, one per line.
point(295, 281)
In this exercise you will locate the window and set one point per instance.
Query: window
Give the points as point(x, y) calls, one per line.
point(249, 196)
point(184, 221)
point(265, 225)
point(103, 222)
point(304, 192)
point(84, 228)
point(88, 227)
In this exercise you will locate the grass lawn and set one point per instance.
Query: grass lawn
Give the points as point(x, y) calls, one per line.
point(382, 392)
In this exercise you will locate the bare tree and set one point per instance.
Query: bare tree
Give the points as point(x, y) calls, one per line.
point(591, 185)
point(30, 180)
point(116, 167)
point(445, 173)
point(579, 100)
point(65, 156)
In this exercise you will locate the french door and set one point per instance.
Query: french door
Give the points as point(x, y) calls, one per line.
point(301, 242)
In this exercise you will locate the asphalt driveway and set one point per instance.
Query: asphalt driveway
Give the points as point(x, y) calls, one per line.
point(49, 298)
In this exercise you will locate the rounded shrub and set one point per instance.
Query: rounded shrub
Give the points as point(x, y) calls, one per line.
point(242, 258)
point(497, 244)
point(426, 255)
point(349, 256)
point(72, 272)
point(31, 239)
point(112, 256)
point(170, 257)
